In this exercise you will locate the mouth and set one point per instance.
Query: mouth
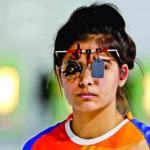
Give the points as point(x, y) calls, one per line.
point(86, 95)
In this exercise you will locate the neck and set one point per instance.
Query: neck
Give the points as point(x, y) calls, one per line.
point(89, 125)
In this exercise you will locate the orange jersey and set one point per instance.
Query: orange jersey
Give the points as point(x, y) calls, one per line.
point(130, 134)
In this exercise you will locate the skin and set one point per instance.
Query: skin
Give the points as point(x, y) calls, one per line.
point(96, 113)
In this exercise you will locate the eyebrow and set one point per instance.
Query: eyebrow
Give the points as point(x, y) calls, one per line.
point(107, 60)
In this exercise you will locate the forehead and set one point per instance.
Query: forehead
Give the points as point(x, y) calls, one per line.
point(88, 45)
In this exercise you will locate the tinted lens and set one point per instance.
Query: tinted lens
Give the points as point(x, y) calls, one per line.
point(71, 69)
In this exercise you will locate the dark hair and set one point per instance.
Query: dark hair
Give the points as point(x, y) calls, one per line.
point(103, 22)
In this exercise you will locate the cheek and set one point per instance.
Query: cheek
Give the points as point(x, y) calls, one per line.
point(113, 81)
point(110, 81)
point(67, 93)
point(68, 86)
point(103, 82)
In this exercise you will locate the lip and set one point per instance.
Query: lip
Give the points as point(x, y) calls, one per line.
point(86, 95)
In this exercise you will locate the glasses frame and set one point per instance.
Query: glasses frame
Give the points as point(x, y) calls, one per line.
point(83, 51)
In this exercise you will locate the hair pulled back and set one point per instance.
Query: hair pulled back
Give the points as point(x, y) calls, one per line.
point(103, 21)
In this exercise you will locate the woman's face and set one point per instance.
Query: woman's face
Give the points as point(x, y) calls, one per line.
point(85, 93)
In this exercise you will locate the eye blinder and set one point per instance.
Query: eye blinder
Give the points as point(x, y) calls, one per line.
point(71, 69)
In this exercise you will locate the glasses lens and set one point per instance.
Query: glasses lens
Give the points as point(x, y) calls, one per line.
point(71, 69)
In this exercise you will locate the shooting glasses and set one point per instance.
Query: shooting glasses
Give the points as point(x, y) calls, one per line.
point(72, 69)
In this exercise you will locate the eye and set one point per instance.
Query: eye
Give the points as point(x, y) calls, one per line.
point(106, 65)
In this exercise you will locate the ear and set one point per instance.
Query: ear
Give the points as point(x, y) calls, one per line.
point(123, 75)
point(59, 74)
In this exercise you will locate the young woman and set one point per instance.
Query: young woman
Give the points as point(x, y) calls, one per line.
point(92, 57)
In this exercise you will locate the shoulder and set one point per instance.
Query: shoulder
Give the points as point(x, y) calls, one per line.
point(143, 128)
point(39, 137)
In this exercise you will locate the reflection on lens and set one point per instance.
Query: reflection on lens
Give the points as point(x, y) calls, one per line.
point(71, 69)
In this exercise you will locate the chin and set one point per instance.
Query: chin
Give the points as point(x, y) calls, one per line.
point(88, 107)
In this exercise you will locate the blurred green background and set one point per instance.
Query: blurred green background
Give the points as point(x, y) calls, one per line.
point(28, 29)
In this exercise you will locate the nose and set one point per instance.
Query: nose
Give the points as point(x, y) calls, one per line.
point(86, 78)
